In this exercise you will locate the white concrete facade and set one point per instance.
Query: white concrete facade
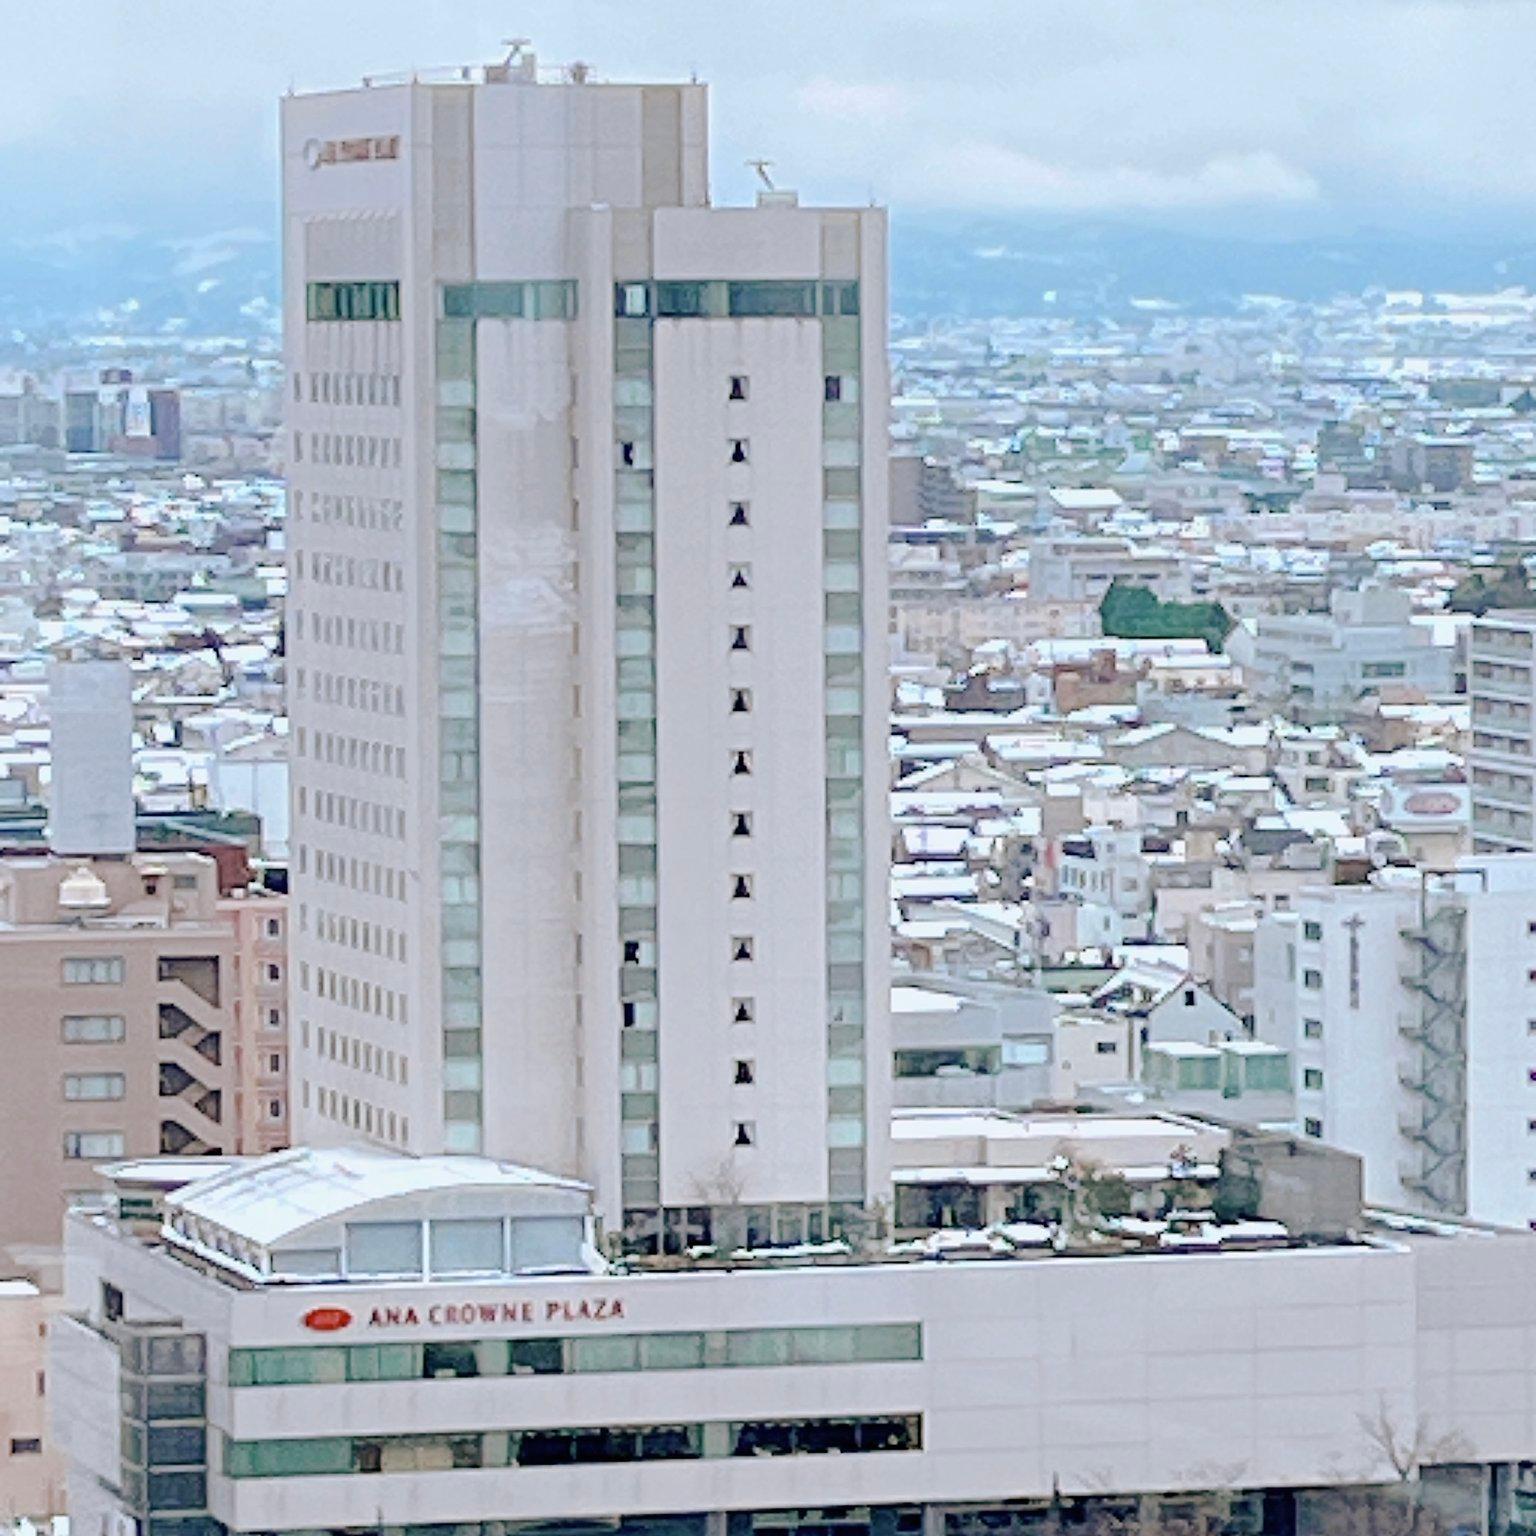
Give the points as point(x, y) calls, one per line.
point(1407, 1005)
point(1032, 1378)
point(567, 728)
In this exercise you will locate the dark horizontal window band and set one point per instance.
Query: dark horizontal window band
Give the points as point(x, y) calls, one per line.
point(544, 300)
point(331, 1364)
point(724, 300)
point(584, 1446)
point(364, 300)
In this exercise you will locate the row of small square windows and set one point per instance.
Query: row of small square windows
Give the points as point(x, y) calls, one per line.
point(332, 747)
point(361, 1055)
point(355, 933)
point(345, 1110)
point(375, 636)
point(354, 993)
point(335, 388)
point(364, 693)
point(366, 574)
point(383, 513)
point(357, 450)
point(353, 873)
point(352, 752)
point(355, 813)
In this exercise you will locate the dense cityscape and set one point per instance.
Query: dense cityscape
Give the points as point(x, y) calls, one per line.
point(937, 914)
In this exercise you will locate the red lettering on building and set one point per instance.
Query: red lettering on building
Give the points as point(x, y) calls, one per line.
point(484, 1314)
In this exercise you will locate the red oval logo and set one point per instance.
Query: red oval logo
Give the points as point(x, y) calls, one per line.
point(327, 1319)
point(1431, 802)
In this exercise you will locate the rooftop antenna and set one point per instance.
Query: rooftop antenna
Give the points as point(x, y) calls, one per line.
point(761, 167)
point(515, 47)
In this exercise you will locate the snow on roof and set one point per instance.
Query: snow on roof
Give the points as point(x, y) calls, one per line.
point(935, 842)
point(1085, 499)
point(1143, 734)
point(275, 1197)
point(928, 1124)
point(923, 1000)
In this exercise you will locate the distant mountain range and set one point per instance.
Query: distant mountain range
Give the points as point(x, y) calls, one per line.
point(121, 279)
point(984, 266)
point(115, 279)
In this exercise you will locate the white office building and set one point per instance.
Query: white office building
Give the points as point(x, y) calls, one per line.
point(1409, 1007)
point(355, 1342)
point(586, 650)
point(1322, 666)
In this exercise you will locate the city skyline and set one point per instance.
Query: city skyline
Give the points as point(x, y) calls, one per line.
point(656, 878)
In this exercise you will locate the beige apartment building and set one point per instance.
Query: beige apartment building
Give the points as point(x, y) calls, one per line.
point(117, 1004)
point(32, 1471)
point(259, 919)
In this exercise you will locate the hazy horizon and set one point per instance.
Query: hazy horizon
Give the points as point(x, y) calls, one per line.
point(1249, 118)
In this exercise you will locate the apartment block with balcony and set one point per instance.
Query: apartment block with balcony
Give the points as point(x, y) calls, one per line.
point(118, 1017)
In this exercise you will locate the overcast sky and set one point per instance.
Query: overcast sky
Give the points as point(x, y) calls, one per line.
point(162, 112)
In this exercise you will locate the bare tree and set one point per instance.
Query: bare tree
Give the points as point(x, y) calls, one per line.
point(1397, 1506)
point(1407, 1450)
point(723, 1184)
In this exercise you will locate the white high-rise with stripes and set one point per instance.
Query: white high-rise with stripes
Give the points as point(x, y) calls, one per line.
point(586, 651)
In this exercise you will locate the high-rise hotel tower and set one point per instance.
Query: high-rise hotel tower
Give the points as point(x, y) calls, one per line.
point(586, 650)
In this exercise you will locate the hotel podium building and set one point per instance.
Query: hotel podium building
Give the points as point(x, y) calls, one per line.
point(587, 651)
point(351, 1343)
